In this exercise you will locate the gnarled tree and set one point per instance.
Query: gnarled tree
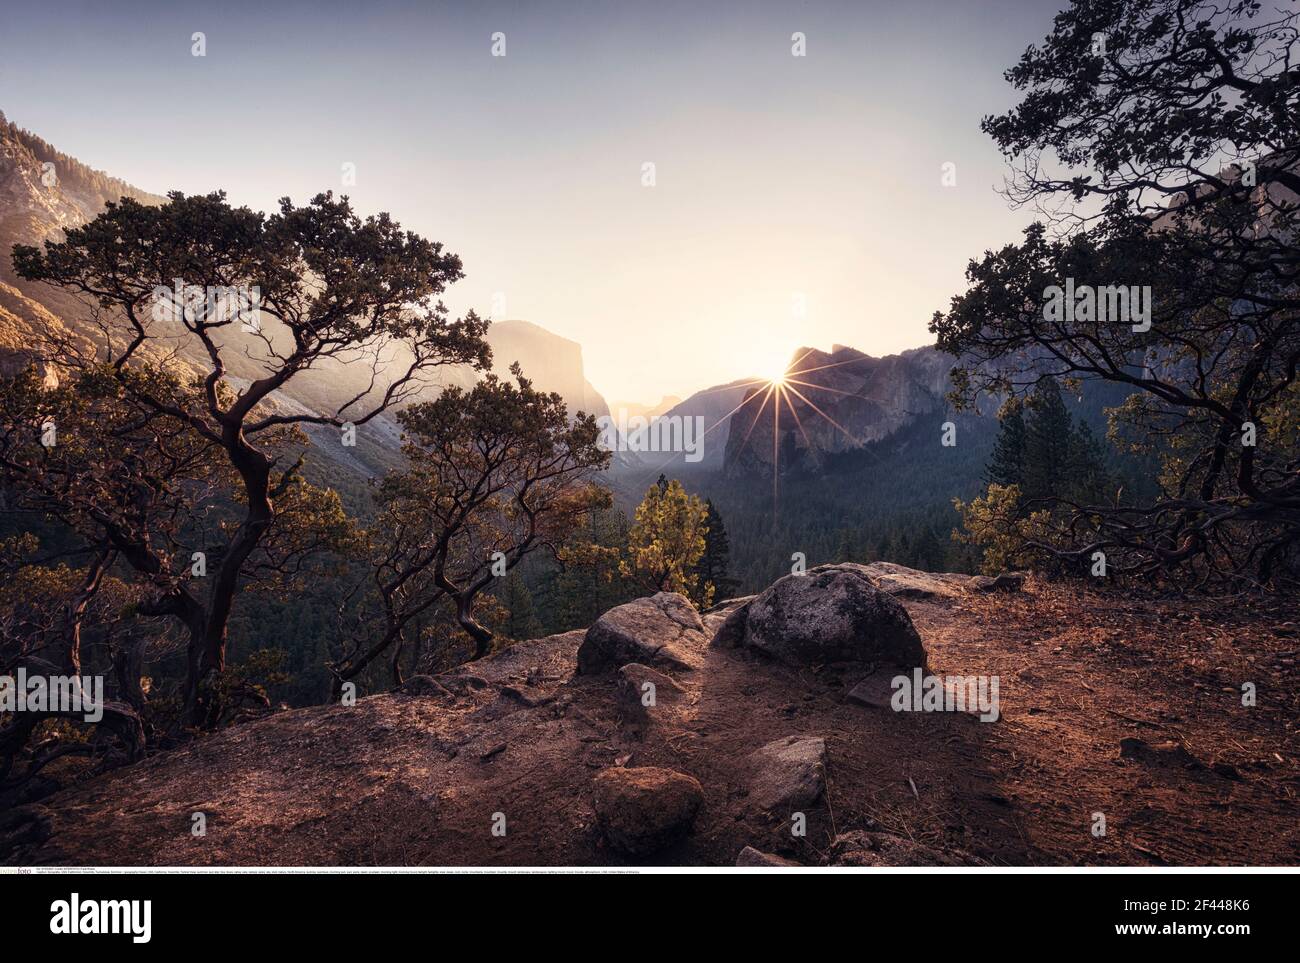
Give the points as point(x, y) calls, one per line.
point(1160, 139)
point(494, 473)
point(257, 303)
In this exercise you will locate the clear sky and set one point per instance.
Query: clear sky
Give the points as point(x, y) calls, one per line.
point(779, 180)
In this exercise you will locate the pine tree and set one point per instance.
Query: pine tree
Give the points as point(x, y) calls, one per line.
point(713, 564)
point(1092, 481)
point(666, 541)
point(521, 622)
point(1049, 444)
point(1007, 464)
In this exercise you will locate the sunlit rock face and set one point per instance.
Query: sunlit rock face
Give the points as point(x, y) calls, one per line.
point(831, 403)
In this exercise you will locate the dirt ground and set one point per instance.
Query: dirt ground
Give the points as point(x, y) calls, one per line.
point(408, 780)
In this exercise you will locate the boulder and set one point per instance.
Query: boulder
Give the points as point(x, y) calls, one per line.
point(663, 630)
point(632, 691)
point(641, 811)
point(751, 857)
point(862, 848)
point(834, 615)
point(789, 773)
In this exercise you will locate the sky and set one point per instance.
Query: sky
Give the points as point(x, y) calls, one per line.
point(795, 200)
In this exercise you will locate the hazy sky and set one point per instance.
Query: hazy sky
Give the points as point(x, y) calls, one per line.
point(779, 179)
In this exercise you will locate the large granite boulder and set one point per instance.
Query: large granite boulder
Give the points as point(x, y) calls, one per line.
point(827, 616)
point(664, 631)
point(641, 811)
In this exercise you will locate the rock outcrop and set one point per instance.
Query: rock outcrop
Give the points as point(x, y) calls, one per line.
point(664, 630)
point(831, 615)
point(642, 811)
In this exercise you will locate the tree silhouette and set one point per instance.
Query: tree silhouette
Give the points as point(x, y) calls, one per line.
point(1161, 139)
point(493, 474)
point(330, 291)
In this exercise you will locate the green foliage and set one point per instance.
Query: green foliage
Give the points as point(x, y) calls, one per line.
point(667, 541)
point(713, 567)
point(1165, 166)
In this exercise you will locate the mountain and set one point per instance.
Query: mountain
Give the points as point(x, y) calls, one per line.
point(832, 403)
point(555, 363)
point(43, 192)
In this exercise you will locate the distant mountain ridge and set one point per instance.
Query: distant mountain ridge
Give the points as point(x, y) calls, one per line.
point(835, 401)
point(830, 403)
point(44, 192)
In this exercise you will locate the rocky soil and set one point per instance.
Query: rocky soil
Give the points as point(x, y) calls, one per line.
point(663, 737)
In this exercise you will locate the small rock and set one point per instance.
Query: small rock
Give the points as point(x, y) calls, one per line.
point(875, 691)
point(641, 811)
point(1006, 582)
point(750, 857)
point(789, 773)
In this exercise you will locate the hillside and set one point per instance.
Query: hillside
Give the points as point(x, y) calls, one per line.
point(1108, 705)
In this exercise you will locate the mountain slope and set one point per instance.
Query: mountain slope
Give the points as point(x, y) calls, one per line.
point(832, 403)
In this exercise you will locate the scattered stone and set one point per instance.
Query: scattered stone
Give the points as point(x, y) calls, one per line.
point(751, 857)
point(493, 752)
point(832, 615)
point(863, 848)
point(908, 583)
point(663, 630)
point(789, 773)
point(641, 811)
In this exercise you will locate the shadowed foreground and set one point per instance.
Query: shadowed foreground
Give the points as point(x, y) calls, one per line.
point(415, 779)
